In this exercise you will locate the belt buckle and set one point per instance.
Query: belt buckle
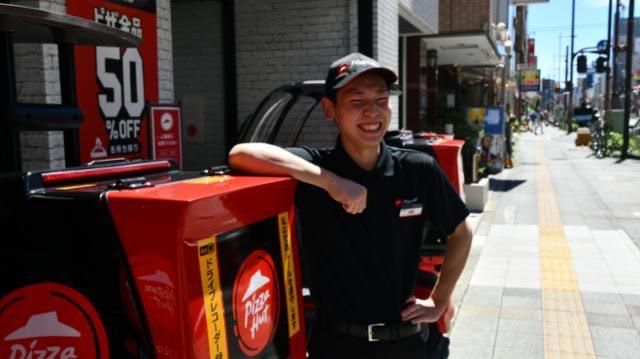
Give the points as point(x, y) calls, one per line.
point(370, 331)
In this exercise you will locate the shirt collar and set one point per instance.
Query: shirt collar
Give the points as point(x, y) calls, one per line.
point(384, 165)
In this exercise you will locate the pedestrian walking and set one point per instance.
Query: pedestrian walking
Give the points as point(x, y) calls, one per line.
point(362, 208)
point(536, 122)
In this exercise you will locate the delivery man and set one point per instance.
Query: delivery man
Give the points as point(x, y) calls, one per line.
point(362, 207)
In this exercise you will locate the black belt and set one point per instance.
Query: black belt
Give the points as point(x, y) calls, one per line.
point(378, 331)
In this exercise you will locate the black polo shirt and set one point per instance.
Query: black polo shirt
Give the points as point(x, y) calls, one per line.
point(363, 267)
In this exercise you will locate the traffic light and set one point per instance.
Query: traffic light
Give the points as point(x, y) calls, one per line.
point(601, 65)
point(582, 64)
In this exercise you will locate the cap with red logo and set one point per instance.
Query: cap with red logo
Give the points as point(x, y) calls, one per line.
point(344, 70)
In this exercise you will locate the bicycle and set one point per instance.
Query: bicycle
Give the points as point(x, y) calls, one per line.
point(600, 138)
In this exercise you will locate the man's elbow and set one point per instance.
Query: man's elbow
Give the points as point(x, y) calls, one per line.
point(239, 155)
point(238, 150)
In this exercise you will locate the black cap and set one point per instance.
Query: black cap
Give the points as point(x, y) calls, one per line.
point(344, 70)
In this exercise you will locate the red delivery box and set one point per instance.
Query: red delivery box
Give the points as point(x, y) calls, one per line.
point(138, 259)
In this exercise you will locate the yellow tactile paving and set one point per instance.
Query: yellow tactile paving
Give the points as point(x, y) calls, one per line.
point(566, 332)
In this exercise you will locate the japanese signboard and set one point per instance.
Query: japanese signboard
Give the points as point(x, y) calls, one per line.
point(529, 80)
point(165, 133)
point(289, 274)
point(212, 297)
point(113, 84)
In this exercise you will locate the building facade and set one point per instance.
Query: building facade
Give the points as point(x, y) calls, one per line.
point(461, 66)
point(217, 59)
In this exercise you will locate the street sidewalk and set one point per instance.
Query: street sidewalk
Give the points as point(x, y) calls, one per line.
point(554, 269)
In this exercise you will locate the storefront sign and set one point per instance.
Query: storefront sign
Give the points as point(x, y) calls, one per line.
point(475, 116)
point(494, 121)
point(113, 84)
point(166, 139)
point(529, 80)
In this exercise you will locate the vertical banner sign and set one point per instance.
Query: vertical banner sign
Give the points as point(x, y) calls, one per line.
point(212, 298)
point(289, 274)
point(114, 83)
point(531, 47)
point(166, 139)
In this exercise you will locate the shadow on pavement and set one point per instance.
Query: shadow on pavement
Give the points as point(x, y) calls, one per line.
point(500, 185)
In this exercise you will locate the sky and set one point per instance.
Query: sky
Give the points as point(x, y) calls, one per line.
point(550, 24)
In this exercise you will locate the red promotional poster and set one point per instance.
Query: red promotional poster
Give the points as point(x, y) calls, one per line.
point(113, 84)
point(165, 133)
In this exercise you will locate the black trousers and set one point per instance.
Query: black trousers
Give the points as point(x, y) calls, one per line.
point(329, 344)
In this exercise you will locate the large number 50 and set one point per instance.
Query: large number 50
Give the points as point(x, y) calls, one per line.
point(131, 62)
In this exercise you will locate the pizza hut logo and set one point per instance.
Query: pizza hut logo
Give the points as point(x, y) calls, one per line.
point(48, 320)
point(256, 303)
point(40, 326)
point(343, 70)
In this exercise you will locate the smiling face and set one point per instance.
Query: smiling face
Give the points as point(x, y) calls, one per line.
point(361, 111)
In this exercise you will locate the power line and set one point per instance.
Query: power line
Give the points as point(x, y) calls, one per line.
point(559, 28)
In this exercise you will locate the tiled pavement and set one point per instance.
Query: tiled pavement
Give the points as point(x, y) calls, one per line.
point(555, 266)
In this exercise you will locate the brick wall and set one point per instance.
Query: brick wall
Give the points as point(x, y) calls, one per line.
point(38, 81)
point(280, 41)
point(385, 42)
point(198, 79)
point(165, 52)
point(464, 15)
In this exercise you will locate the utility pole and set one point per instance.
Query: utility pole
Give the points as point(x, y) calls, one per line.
point(566, 65)
point(566, 82)
point(607, 91)
point(627, 79)
point(614, 80)
point(573, 26)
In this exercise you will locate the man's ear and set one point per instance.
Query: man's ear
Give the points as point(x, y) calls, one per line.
point(329, 108)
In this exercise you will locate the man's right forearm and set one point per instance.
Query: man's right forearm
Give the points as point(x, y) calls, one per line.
point(267, 159)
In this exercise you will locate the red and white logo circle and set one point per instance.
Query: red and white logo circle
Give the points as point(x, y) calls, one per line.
point(256, 302)
point(166, 121)
point(49, 320)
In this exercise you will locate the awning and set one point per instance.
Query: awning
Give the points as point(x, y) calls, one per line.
point(464, 49)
